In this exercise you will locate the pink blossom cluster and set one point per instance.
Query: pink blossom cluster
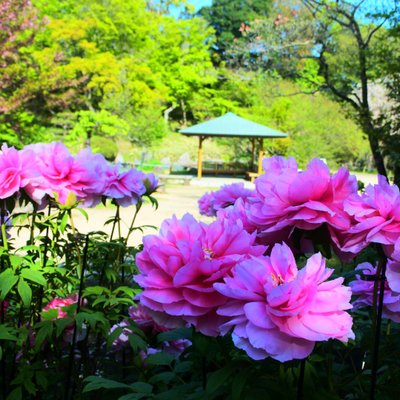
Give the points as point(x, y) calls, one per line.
point(50, 170)
point(238, 274)
point(312, 207)
point(216, 278)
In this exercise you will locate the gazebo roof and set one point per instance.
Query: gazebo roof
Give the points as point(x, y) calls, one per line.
point(230, 125)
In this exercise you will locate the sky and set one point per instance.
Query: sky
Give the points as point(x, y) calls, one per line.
point(200, 3)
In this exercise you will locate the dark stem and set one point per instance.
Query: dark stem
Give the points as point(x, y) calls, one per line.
point(381, 276)
point(300, 381)
point(46, 244)
point(2, 305)
point(69, 384)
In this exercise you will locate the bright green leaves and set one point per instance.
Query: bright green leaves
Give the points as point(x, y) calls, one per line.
point(20, 276)
point(7, 281)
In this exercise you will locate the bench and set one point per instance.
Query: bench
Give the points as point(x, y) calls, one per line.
point(252, 175)
point(185, 179)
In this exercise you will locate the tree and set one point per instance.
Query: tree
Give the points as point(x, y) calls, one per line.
point(341, 41)
point(230, 18)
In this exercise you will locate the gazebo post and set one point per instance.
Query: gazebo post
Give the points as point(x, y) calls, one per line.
point(260, 155)
point(253, 147)
point(200, 157)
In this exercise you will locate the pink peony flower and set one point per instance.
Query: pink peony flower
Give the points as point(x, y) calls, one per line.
point(59, 304)
point(288, 199)
point(206, 203)
point(279, 311)
point(126, 188)
point(17, 171)
point(55, 164)
point(377, 217)
point(150, 182)
point(226, 196)
point(179, 266)
point(364, 289)
point(304, 199)
point(84, 175)
point(88, 178)
point(237, 212)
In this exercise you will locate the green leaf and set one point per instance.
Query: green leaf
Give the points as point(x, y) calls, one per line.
point(160, 358)
point(97, 382)
point(5, 333)
point(95, 290)
point(16, 261)
point(16, 394)
point(137, 343)
point(84, 213)
point(164, 377)
point(239, 383)
point(142, 387)
point(61, 324)
point(133, 396)
point(25, 292)
point(175, 334)
point(218, 378)
point(44, 332)
point(34, 276)
point(7, 282)
point(63, 222)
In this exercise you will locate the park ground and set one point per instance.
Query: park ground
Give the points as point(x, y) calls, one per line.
point(173, 199)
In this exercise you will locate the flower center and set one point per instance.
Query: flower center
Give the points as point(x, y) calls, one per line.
point(278, 280)
point(208, 254)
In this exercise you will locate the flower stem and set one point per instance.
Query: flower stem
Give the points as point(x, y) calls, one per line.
point(378, 306)
point(300, 381)
point(69, 384)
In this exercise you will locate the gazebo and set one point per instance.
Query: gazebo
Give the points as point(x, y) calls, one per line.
point(230, 125)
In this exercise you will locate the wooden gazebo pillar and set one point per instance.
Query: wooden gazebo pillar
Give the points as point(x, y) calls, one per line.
point(200, 157)
point(260, 155)
point(253, 148)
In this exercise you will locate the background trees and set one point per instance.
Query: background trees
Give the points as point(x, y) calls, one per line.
point(102, 72)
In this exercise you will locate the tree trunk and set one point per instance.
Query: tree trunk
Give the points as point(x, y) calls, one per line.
point(397, 175)
point(167, 112)
point(371, 132)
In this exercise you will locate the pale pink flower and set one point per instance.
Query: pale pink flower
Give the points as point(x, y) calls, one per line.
point(55, 163)
point(151, 183)
point(363, 288)
point(279, 311)
point(210, 203)
point(17, 171)
point(88, 178)
point(376, 215)
point(205, 204)
point(144, 320)
point(126, 188)
point(123, 339)
point(59, 304)
point(179, 266)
